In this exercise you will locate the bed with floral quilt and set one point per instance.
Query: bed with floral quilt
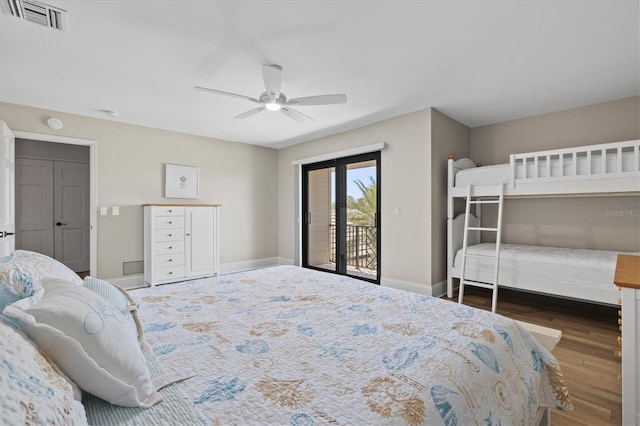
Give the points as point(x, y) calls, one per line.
point(287, 345)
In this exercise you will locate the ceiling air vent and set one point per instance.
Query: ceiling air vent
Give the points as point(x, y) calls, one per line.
point(37, 12)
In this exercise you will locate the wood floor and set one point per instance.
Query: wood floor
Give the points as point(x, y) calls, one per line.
point(586, 351)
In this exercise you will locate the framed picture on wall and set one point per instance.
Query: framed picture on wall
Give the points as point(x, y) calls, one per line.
point(181, 181)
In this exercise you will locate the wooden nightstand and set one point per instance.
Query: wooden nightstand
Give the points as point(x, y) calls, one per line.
point(627, 277)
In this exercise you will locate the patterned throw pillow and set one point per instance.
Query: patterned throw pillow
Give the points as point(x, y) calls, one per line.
point(8, 297)
point(119, 298)
point(25, 268)
point(89, 339)
point(32, 390)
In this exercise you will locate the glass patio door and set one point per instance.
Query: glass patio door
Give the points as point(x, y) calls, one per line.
point(341, 217)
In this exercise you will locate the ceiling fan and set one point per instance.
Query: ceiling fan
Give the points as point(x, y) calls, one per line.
point(273, 99)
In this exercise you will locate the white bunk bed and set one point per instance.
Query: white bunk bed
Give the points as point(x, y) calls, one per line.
point(606, 169)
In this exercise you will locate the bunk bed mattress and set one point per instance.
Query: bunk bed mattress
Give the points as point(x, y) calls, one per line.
point(291, 345)
point(485, 175)
point(589, 268)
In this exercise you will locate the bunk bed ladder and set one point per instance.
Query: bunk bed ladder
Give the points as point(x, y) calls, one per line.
point(490, 196)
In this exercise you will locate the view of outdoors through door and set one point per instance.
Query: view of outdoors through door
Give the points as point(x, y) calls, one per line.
point(341, 216)
point(361, 227)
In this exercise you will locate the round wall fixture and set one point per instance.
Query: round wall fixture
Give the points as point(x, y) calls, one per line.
point(54, 123)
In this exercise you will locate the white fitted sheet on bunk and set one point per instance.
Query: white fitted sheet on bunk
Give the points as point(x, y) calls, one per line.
point(591, 268)
point(501, 173)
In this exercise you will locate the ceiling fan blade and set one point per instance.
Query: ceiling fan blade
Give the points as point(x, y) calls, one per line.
point(250, 113)
point(272, 76)
point(296, 115)
point(318, 100)
point(220, 92)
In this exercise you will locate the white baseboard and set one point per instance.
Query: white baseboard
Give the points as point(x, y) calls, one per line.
point(439, 289)
point(406, 285)
point(285, 261)
point(137, 281)
point(246, 265)
point(129, 282)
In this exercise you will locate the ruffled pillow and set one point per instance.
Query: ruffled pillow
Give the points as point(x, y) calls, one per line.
point(89, 339)
point(22, 271)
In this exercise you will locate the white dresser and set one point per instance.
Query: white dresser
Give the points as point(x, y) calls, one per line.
point(181, 242)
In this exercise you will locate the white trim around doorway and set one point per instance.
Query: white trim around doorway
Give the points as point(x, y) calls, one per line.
point(93, 185)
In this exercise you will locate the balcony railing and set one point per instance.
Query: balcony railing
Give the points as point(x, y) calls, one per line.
point(362, 246)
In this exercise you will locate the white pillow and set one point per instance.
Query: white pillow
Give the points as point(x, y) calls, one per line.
point(118, 296)
point(22, 271)
point(463, 163)
point(89, 339)
point(33, 392)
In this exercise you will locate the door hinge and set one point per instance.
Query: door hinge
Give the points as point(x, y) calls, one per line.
point(307, 218)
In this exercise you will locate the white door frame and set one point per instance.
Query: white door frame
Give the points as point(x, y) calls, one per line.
point(93, 186)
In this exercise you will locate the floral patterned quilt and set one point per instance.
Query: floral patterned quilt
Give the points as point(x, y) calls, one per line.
point(287, 345)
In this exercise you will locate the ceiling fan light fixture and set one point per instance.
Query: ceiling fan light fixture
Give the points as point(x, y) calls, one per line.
point(273, 106)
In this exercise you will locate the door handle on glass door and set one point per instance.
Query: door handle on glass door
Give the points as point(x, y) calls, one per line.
point(60, 223)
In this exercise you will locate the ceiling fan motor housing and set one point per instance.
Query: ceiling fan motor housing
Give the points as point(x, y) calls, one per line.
point(266, 99)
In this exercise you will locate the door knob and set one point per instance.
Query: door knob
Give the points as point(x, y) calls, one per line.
point(6, 234)
point(60, 223)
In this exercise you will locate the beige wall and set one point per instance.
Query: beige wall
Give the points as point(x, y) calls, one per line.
point(447, 137)
point(609, 223)
point(131, 172)
point(406, 177)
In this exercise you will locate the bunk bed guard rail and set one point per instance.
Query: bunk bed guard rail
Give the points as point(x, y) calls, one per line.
point(611, 160)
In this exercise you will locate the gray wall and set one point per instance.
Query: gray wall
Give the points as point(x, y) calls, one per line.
point(608, 223)
point(26, 148)
point(243, 178)
point(447, 137)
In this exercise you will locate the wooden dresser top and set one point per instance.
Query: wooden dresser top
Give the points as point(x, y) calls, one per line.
point(627, 271)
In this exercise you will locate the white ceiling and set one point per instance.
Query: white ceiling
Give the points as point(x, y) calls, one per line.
point(480, 62)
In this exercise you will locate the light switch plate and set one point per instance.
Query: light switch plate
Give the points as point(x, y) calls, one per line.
point(115, 211)
point(103, 211)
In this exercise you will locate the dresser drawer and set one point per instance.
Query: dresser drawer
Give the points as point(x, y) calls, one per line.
point(168, 211)
point(171, 273)
point(168, 247)
point(167, 260)
point(168, 222)
point(168, 235)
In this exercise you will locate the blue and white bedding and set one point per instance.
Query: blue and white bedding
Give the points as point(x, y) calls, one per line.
point(287, 345)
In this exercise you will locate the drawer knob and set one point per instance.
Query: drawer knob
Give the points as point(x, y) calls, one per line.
point(188, 235)
point(170, 273)
point(170, 222)
point(619, 321)
point(619, 312)
point(169, 235)
point(170, 211)
point(170, 248)
point(619, 340)
point(619, 354)
point(170, 260)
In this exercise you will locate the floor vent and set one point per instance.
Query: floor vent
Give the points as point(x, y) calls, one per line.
point(37, 12)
